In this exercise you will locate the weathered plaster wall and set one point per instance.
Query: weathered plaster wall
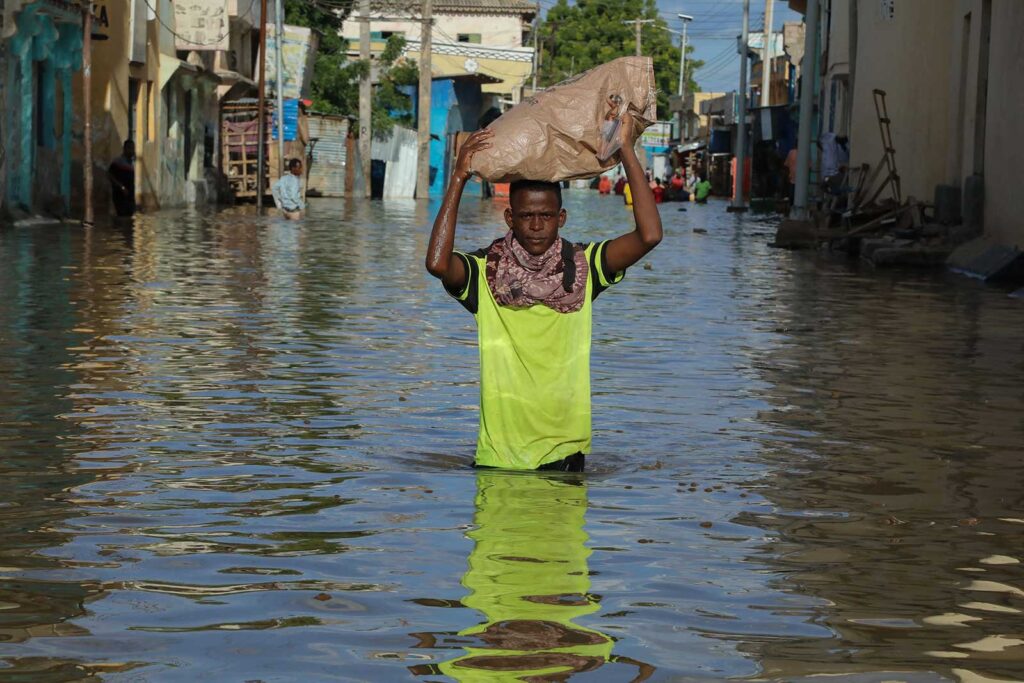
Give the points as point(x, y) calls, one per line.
point(1004, 135)
point(109, 101)
point(908, 57)
point(494, 30)
point(39, 56)
point(3, 122)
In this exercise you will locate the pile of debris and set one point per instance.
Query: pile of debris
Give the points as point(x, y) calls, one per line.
point(892, 231)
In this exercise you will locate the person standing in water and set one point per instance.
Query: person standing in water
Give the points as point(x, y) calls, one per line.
point(122, 180)
point(287, 192)
point(531, 293)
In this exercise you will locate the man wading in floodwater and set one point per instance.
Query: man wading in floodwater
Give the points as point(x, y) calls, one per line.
point(531, 294)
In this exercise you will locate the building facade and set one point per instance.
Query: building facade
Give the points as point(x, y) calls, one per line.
point(953, 76)
point(469, 38)
point(40, 49)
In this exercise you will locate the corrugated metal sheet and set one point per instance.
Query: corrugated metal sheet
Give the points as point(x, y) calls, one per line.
point(327, 167)
point(399, 152)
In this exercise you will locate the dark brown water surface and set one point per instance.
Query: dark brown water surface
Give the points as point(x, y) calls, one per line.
point(236, 449)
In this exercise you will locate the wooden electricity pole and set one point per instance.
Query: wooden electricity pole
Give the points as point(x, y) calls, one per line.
point(87, 213)
point(365, 92)
point(638, 22)
point(261, 110)
point(766, 60)
point(423, 107)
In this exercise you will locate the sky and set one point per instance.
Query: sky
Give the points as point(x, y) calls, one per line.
point(713, 32)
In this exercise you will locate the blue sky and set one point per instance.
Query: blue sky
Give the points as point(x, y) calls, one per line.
point(713, 31)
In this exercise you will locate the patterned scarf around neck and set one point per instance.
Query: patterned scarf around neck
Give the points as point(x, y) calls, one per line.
point(556, 279)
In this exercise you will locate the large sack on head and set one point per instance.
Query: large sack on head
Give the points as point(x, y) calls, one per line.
point(557, 133)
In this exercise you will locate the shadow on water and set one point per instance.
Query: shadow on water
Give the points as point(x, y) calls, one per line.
point(237, 448)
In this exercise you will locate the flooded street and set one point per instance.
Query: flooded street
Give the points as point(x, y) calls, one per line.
point(237, 449)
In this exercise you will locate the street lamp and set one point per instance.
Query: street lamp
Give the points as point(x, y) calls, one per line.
point(682, 56)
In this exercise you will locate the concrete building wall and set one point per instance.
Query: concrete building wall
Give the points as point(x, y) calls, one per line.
point(494, 30)
point(907, 56)
point(3, 122)
point(109, 102)
point(836, 86)
point(1004, 130)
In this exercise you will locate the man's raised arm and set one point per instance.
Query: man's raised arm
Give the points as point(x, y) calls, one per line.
point(625, 250)
point(440, 262)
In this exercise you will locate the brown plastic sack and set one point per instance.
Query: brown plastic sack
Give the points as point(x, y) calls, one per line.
point(557, 134)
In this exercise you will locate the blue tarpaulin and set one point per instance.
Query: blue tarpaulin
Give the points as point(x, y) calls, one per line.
point(291, 120)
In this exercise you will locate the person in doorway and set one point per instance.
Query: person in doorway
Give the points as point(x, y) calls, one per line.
point(702, 190)
point(287, 192)
point(531, 293)
point(122, 180)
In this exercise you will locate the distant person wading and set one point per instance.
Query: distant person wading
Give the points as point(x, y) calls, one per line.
point(287, 192)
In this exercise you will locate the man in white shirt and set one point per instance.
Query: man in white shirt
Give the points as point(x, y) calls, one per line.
point(287, 192)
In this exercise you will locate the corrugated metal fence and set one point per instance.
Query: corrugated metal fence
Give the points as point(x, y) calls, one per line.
point(327, 167)
point(399, 152)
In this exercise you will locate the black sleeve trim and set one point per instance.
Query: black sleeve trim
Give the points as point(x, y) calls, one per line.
point(597, 287)
point(468, 296)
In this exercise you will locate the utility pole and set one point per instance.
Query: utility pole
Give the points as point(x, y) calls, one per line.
point(364, 95)
point(536, 62)
point(808, 73)
point(423, 117)
point(766, 60)
point(638, 22)
point(683, 84)
point(261, 111)
point(279, 30)
point(87, 215)
point(739, 201)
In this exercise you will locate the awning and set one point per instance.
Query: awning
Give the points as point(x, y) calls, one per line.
point(690, 147)
point(237, 85)
point(170, 69)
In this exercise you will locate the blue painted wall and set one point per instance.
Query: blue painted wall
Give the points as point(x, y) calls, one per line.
point(40, 58)
point(454, 106)
point(442, 99)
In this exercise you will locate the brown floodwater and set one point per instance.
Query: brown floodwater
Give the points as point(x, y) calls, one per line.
point(236, 448)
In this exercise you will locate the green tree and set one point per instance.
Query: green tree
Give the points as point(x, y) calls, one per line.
point(335, 85)
point(577, 37)
point(390, 104)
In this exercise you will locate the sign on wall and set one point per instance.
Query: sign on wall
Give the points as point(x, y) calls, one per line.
point(297, 54)
point(657, 134)
point(201, 24)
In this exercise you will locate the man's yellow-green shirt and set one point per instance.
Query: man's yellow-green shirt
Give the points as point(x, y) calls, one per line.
point(534, 370)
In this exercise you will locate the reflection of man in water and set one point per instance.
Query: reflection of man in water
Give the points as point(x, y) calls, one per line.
point(528, 577)
point(122, 180)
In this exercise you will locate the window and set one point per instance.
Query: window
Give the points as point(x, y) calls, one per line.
point(58, 110)
point(42, 120)
point(149, 123)
point(469, 38)
point(133, 108)
point(168, 110)
point(189, 151)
